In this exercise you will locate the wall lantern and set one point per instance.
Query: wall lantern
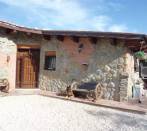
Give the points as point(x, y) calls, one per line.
point(8, 58)
point(80, 47)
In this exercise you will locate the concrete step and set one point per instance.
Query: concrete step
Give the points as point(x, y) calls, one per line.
point(26, 92)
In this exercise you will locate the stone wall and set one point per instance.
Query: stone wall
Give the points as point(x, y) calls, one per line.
point(101, 62)
point(123, 86)
point(8, 60)
point(104, 63)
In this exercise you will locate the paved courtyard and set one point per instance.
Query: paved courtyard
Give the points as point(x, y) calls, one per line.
point(38, 113)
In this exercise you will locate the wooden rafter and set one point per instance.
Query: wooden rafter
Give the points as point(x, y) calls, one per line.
point(47, 37)
point(114, 41)
point(76, 39)
point(60, 38)
point(93, 40)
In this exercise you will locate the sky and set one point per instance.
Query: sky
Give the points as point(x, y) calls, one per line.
point(94, 15)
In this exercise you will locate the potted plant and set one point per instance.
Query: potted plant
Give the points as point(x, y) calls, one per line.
point(140, 55)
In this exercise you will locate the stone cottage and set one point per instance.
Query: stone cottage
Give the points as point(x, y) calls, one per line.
point(50, 59)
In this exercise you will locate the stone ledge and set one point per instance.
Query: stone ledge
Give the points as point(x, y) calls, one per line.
point(104, 103)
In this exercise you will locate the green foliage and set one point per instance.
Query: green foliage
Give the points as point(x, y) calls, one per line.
point(140, 54)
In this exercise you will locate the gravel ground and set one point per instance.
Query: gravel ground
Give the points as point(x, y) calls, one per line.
point(38, 113)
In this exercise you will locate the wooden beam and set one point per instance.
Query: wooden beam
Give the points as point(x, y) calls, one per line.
point(138, 48)
point(93, 40)
point(114, 41)
point(132, 41)
point(47, 37)
point(29, 33)
point(60, 38)
point(136, 45)
point(50, 53)
point(11, 31)
point(29, 46)
point(133, 46)
point(14, 31)
point(76, 39)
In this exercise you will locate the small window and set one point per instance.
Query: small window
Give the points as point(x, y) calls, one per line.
point(50, 60)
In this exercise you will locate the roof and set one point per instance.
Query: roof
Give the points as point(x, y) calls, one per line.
point(132, 39)
point(72, 33)
point(19, 28)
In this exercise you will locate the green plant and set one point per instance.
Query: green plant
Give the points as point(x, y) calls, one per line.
point(140, 54)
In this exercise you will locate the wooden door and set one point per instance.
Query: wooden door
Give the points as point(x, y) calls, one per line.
point(27, 68)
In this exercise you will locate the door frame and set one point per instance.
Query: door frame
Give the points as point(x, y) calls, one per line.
point(24, 46)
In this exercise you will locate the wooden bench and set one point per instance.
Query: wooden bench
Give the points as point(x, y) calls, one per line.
point(4, 85)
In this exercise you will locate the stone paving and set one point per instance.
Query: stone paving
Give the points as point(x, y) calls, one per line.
point(39, 113)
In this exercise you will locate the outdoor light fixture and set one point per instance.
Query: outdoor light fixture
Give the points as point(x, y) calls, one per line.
point(80, 47)
point(8, 58)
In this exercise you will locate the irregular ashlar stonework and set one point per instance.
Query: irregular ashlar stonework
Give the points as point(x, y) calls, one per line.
point(8, 60)
point(123, 84)
point(106, 78)
point(54, 85)
point(105, 63)
point(101, 62)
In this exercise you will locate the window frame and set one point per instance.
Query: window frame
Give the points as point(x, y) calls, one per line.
point(50, 64)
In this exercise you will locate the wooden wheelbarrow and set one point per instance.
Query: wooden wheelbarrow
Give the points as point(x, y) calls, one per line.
point(4, 85)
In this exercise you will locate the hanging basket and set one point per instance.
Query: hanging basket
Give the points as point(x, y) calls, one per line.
point(140, 55)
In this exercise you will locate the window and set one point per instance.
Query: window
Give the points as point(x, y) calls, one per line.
point(143, 69)
point(50, 60)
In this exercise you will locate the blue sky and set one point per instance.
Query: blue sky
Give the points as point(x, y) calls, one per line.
point(96, 15)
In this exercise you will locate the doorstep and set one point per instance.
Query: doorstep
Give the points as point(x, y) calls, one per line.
point(21, 92)
point(25, 92)
point(104, 103)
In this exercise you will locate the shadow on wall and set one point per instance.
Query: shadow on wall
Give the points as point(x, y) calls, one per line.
point(121, 120)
